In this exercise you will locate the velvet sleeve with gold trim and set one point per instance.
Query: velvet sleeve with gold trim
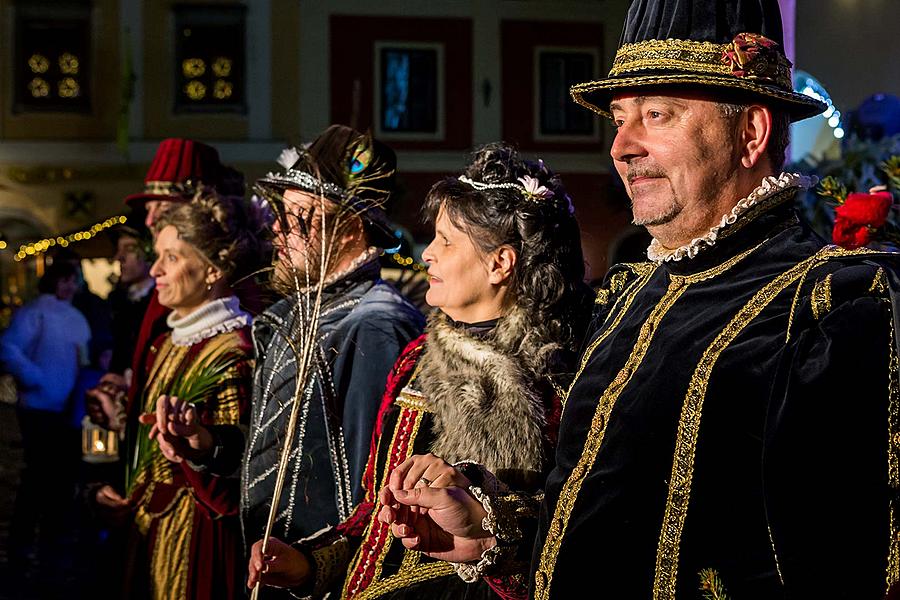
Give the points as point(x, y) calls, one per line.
point(829, 463)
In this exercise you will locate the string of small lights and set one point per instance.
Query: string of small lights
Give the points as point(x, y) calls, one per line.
point(35, 248)
point(406, 261)
point(832, 115)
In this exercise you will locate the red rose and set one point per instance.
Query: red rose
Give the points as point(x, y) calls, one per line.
point(850, 235)
point(865, 209)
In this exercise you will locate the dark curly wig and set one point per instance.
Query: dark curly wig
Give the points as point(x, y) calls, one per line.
point(548, 278)
point(230, 232)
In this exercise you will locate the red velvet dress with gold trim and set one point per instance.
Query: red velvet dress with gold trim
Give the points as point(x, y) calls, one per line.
point(186, 538)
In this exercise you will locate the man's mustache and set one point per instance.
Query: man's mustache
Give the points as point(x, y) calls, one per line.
point(635, 171)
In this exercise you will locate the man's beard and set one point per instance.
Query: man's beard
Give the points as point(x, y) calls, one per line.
point(671, 210)
point(289, 278)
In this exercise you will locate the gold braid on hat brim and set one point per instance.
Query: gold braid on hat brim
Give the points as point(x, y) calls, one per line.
point(750, 63)
point(180, 189)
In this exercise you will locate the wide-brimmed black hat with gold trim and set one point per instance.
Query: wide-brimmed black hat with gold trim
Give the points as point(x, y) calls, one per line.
point(732, 45)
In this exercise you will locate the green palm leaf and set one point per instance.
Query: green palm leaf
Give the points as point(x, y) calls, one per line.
point(193, 385)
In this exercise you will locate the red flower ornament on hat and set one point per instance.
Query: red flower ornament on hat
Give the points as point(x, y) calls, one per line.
point(751, 54)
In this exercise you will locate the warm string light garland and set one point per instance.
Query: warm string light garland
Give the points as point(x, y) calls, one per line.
point(41, 246)
point(406, 261)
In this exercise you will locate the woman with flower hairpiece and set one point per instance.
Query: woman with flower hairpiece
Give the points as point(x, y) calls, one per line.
point(185, 541)
point(480, 388)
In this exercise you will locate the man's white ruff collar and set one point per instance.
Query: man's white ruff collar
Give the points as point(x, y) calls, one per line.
point(769, 187)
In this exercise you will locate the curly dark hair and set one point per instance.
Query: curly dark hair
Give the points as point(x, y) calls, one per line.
point(229, 231)
point(548, 278)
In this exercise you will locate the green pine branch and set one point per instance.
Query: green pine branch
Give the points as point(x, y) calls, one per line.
point(891, 168)
point(711, 586)
point(831, 187)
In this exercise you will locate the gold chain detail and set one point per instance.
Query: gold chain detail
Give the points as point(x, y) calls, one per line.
point(667, 556)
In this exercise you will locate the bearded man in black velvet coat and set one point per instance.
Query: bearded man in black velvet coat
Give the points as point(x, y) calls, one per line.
point(734, 422)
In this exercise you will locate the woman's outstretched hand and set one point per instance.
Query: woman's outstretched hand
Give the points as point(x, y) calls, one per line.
point(176, 428)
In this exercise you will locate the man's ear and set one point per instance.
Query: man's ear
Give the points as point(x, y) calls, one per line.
point(502, 265)
point(755, 134)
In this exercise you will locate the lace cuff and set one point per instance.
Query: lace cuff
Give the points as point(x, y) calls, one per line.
point(506, 511)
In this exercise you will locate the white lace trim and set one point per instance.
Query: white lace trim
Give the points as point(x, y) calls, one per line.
point(219, 316)
point(769, 187)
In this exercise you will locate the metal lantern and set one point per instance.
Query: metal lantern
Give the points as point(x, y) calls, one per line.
point(98, 444)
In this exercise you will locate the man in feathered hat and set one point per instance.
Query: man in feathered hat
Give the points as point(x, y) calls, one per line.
point(330, 229)
point(734, 424)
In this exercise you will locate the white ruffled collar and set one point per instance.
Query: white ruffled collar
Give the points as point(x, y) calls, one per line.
point(769, 187)
point(215, 317)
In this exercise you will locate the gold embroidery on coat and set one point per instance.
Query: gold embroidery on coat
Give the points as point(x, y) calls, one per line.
point(616, 284)
point(626, 301)
point(569, 493)
point(893, 567)
point(667, 555)
point(820, 299)
point(879, 283)
point(401, 580)
point(416, 417)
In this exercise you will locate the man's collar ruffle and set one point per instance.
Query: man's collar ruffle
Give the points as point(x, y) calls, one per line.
point(770, 186)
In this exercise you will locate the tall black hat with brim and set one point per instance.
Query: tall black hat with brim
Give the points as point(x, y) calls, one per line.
point(349, 168)
point(734, 46)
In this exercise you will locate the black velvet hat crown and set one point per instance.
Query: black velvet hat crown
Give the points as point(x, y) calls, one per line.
point(732, 45)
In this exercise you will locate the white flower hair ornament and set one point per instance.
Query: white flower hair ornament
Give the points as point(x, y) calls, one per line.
point(533, 188)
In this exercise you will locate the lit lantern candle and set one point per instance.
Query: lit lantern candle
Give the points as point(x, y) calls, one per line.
point(98, 444)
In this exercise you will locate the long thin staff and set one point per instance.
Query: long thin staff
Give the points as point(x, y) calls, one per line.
point(309, 341)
